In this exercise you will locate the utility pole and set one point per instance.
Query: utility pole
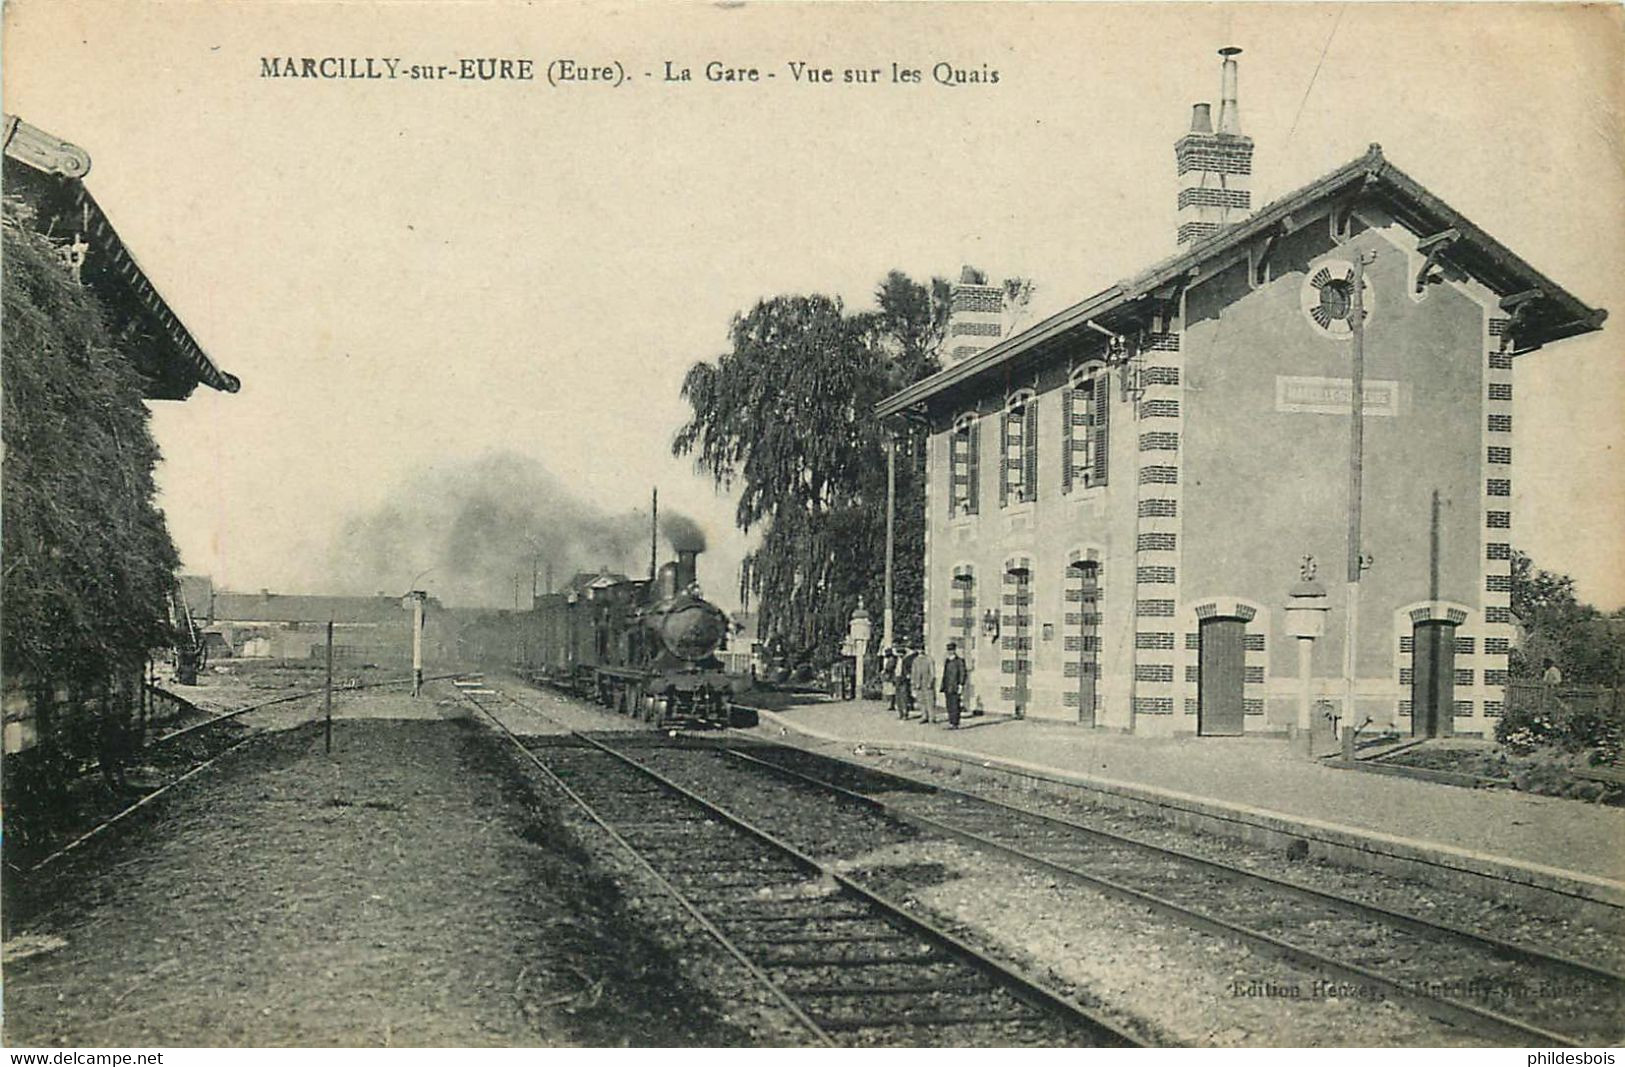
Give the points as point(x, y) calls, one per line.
point(654, 530)
point(1351, 652)
point(891, 535)
point(417, 596)
point(328, 691)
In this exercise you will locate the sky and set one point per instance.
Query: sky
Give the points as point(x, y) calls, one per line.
point(413, 277)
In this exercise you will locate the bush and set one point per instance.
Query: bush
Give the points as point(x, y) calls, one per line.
point(1577, 727)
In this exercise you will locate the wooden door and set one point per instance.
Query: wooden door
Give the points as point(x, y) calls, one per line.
point(1221, 674)
point(1084, 577)
point(1433, 678)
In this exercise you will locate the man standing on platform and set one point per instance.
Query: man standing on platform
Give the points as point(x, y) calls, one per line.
point(922, 676)
point(953, 683)
point(905, 699)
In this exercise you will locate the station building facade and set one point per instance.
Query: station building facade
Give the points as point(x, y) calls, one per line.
point(1122, 497)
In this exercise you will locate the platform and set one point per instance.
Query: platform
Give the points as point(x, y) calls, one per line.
point(1494, 842)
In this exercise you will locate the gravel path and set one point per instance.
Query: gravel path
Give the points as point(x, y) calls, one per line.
point(409, 890)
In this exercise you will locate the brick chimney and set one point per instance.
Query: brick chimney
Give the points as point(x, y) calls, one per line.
point(1215, 168)
point(975, 315)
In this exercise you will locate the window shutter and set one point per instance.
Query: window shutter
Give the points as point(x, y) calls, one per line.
point(974, 435)
point(1102, 430)
point(954, 447)
point(1067, 395)
point(1004, 458)
point(1029, 451)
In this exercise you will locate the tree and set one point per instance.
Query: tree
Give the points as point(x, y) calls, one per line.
point(1588, 646)
point(786, 416)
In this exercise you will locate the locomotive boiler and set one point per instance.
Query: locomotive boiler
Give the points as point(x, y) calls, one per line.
point(646, 648)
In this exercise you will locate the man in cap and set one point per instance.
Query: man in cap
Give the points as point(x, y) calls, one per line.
point(953, 683)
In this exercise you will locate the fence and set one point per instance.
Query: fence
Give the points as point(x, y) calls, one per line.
point(1526, 696)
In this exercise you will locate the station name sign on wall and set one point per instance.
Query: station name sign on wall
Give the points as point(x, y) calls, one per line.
point(1330, 396)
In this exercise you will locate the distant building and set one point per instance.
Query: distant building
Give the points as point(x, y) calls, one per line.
point(270, 625)
point(1121, 496)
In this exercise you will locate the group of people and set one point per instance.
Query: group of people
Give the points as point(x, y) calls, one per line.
point(908, 680)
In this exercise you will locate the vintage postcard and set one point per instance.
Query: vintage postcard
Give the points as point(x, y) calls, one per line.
point(866, 524)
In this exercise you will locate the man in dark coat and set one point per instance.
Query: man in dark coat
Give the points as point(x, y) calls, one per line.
point(953, 683)
point(905, 692)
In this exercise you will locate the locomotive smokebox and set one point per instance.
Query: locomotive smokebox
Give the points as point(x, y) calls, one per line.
point(687, 563)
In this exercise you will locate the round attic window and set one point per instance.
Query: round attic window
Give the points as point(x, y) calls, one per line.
point(1328, 297)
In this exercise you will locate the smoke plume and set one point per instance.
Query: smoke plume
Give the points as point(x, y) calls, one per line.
point(682, 532)
point(484, 528)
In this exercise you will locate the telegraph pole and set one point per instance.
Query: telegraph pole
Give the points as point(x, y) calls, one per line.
point(327, 699)
point(1351, 652)
point(891, 536)
point(654, 531)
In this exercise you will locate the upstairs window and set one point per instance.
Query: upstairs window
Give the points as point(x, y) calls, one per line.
point(963, 466)
point(1018, 483)
point(1086, 407)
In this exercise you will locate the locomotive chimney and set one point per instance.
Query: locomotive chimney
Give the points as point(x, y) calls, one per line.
point(686, 566)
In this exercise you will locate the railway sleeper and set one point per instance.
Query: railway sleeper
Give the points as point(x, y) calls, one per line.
point(882, 1023)
point(899, 990)
point(854, 961)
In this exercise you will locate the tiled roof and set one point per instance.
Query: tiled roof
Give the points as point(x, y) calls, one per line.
point(1557, 315)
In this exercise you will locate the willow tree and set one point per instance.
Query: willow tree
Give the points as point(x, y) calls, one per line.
point(786, 418)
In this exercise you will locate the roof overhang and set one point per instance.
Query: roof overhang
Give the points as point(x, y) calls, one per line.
point(1545, 311)
point(50, 176)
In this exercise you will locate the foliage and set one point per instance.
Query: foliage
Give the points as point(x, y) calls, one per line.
point(89, 564)
point(786, 416)
point(1588, 724)
point(1587, 646)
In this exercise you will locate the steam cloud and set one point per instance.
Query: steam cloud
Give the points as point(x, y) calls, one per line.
point(477, 526)
point(682, 532)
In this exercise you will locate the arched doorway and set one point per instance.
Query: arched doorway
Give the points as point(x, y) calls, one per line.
point(1083, 640)
point(1433, 678)
point(1221, 707)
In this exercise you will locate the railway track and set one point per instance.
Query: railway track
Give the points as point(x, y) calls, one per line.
point(1519, 993)
point(183, 754)
point(850, 966)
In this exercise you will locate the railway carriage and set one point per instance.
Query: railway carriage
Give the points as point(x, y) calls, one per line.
point(646, 648)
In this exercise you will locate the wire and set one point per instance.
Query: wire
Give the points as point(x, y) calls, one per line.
point(1308, 89)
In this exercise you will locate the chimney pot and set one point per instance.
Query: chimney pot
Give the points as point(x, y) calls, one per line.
point(1229, 108)
point(1214, 168)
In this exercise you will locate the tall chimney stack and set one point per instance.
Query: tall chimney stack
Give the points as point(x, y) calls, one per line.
point(975, 315)
point(1229, 108)
point(1215, 168)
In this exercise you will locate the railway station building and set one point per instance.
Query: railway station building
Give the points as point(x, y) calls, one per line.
point(1124, 498)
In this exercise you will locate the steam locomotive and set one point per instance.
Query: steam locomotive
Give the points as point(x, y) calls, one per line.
point(645, 648)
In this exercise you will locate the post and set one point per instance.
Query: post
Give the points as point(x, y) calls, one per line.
point(1306, 683)
point(891, 535)
point(327, 698)
point(654, 531)
point(1351, 652)
point(417, 642)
